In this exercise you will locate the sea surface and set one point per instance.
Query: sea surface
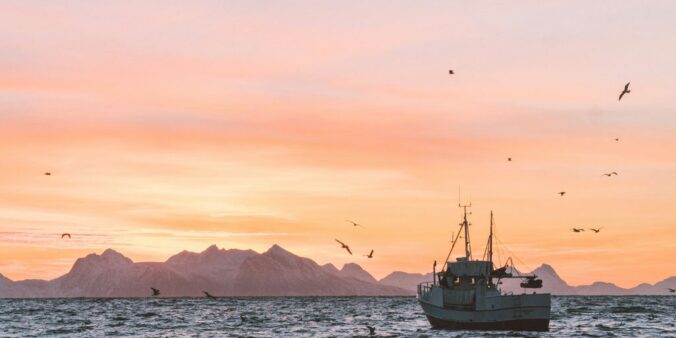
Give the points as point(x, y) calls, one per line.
point(640, 316)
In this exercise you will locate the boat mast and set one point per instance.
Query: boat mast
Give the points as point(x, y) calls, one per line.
point(465, 224)
point(490, 242)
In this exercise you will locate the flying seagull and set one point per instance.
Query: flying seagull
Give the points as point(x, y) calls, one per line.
point(450, 72)
point(370, 255)
point(617, 139)
point(372, 330)
point(65, 234)
point(48, 174)
point(613, 173)
point(671, 290)
point(562, 193)
point(608, 175)
point(354, 223)
point(625, 91)
point(596, 230)
point(208, 295)
point(344, 246)
point(509, 159)
point(577, 230)
point(156, 292)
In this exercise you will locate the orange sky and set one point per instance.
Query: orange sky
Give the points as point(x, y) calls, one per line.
point(171, 126)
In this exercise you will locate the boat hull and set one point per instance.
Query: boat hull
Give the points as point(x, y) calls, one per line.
point(508, 312)
point(507, 325)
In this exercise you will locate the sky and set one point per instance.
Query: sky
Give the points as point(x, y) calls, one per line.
point(175, 125)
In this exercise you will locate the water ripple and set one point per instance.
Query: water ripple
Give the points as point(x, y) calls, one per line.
point(311, 317)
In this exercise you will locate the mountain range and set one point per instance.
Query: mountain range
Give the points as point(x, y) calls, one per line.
point(275, 272)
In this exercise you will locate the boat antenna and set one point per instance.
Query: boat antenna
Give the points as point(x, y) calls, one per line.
point(455, 237)
point(465, 225)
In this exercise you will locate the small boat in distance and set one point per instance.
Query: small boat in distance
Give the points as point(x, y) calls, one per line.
point(466, 295)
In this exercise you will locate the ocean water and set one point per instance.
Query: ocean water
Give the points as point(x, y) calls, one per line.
point(640, 316)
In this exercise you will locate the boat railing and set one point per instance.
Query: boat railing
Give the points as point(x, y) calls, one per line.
point(424, 289)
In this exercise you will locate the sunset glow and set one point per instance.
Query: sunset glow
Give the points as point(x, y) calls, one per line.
point(170, 125)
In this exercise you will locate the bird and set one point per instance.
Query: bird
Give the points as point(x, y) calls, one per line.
point(370, 255)
point(156, 292)
point(354, 223)
point(372, 330)
point(613, 173)
point(65, 234)
point(596, 230)
point(625, 91)
point(208, 295)
point(671, 290)
point(48, 174)
point(617, 139)
point(509, 159)
point(577, 230)
point(608, 175)
point(344, 246)
point(450, 72)
point(562, 193)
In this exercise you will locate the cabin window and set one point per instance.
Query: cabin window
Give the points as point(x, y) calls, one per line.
point(472, 281)
point(456, 281)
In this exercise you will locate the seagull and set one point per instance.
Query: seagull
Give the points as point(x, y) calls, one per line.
point(65, 234)
point(625, 91)
point(596, 230)
point(48, 174)
point(617, 139)
point(614, 173)
point(608, 175)
point(370, 255)
point(577, 230)
point(344, 246)
point(509, 159)
point(372, 330)
point(671, 290)
point(354, 223)
point(450, 72)
point(208, 295)
point(156, 292)
point(562, 193)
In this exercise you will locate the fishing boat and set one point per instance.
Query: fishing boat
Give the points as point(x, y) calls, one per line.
point(466, 295)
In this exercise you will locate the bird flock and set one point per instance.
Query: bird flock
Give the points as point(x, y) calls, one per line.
point(372, 330)
point(625, 91)
point(347, 247)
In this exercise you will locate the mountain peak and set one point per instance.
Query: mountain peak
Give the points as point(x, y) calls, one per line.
point(212, 249)
point(354, 270)
point(4, 279)
point(545, 268)
point(278, 250)
point(112, 255)
point(108, 259)
point(352, 267)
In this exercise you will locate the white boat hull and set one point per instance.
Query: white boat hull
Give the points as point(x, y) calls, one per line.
point(526, 312)
point(518, 319)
